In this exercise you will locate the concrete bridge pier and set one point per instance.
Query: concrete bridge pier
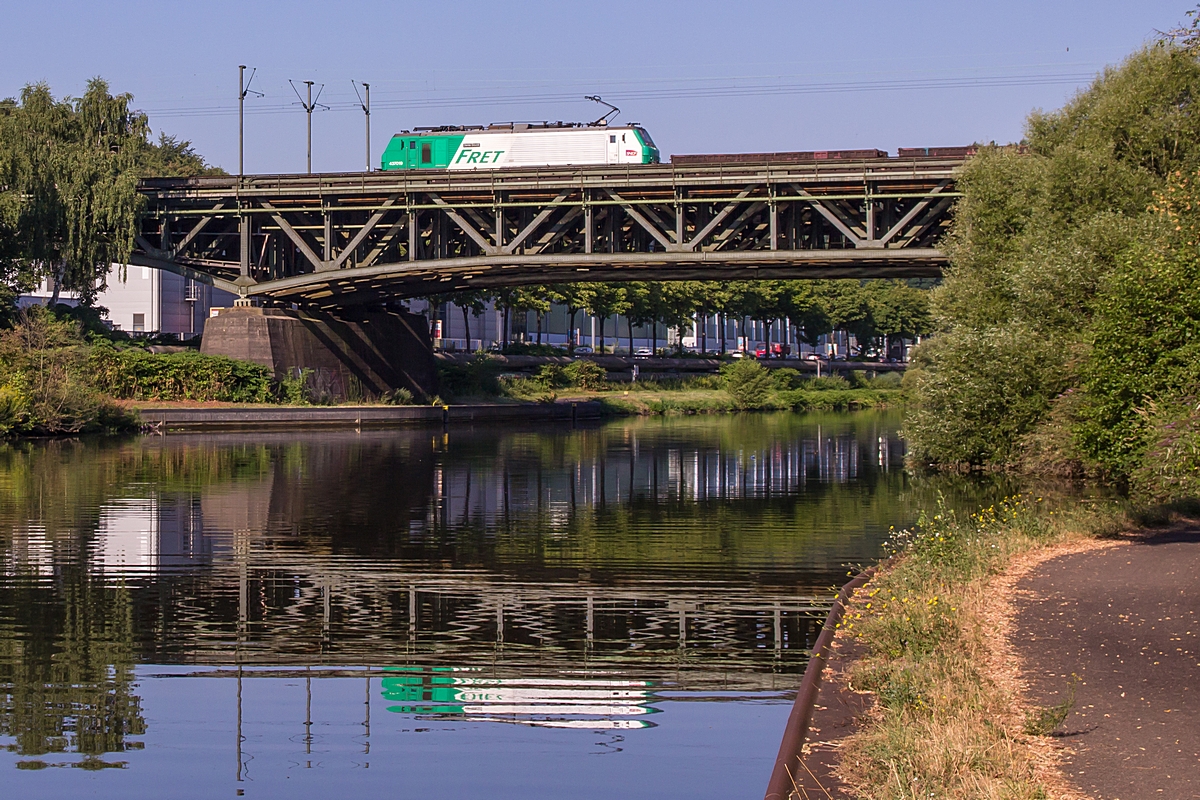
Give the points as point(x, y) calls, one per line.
point(353, 355)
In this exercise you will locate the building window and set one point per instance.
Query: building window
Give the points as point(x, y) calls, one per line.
point(139, 323)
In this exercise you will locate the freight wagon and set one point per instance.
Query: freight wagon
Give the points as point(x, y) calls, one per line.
point(937, 152)
point(518, 144)
point(778, 158)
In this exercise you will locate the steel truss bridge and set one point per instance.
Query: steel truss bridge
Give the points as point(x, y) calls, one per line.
point(337, 240)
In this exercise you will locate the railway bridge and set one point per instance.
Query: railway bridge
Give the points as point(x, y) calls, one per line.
point(333, 241)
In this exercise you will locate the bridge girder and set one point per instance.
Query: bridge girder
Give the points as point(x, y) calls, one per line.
point(345, 239)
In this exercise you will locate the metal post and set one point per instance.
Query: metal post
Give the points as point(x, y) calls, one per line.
point(365, 104)
point(244, 234)
point(308, 106)
point(243, 90)
point(870, 220)
point(412, 231)
point(587, 222)
point(241, 124)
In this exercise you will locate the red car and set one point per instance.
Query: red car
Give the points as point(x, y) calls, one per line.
point(777, 350)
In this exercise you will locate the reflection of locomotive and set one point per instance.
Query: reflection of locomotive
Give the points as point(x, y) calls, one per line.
point(519, 144)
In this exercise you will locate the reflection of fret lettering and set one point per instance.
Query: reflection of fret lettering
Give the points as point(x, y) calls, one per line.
point(581, 709)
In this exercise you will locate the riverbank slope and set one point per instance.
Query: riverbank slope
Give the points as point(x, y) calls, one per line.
point(950, 717)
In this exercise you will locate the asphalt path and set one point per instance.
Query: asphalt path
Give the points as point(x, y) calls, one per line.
point(1126, 621)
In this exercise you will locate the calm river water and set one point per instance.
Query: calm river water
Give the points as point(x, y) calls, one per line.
point(509, 612)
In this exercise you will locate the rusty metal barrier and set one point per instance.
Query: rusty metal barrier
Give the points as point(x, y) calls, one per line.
point(794, 734)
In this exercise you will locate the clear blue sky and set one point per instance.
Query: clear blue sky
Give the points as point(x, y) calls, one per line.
point(702, 75)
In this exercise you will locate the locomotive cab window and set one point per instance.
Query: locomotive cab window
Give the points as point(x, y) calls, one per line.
point(426, 153)
point(612, 139)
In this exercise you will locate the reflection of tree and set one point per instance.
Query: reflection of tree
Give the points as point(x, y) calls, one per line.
point(60, 486)
point(66, 667)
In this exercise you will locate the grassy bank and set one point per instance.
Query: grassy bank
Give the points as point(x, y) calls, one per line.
point(657, 401)
point(945, 724)
point(741, 386)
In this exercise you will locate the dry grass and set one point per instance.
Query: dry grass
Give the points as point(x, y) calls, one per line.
point(949, 720)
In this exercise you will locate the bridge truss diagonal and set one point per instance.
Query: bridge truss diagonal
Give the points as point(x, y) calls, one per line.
point(363, 238)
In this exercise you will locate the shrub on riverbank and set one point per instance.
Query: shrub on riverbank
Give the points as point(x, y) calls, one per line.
point(749, 384)
point(478, 377)
point(45, 386)
point(134, 374)
point(942, 727)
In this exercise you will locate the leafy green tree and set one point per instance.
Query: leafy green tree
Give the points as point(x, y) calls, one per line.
point(807, 312)
point(677, 308)
point(472, 303)
point(637, 307)
point(1042, 236)
point(1143, 369)
point(603, 300)
point(570, 296)
point(848, 306)
point(770, 304)
point(68, 177)
point(173, 158)
point(898, 310)
point(535, 299)
point(711, 297)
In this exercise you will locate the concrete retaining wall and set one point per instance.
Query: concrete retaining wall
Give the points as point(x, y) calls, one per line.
point(283, 417)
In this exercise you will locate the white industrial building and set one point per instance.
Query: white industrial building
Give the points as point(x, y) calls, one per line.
point(143, 300)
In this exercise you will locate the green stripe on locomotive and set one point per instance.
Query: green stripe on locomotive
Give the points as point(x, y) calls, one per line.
point(420, 152)
point(649, 151)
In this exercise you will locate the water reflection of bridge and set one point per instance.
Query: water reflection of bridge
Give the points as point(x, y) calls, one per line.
point(662, 548)
point(351, 614)
point(691, 555)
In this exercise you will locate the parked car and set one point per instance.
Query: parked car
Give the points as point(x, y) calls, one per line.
point(738, 354)
point(813, 357)
point(583, 350)
point(760, 351)
point(643, 352)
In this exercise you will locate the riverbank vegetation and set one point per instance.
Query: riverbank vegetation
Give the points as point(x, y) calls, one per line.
point(57, 377)
point(1068, 321)
point(945, 723)
point(1066, 346)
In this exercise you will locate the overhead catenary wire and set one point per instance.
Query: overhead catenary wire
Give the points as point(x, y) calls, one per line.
point(755, 88)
